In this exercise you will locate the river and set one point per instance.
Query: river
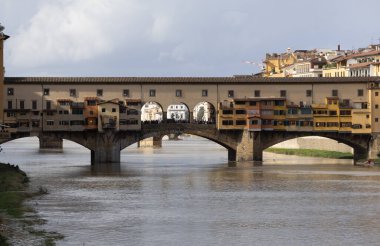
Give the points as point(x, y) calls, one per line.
point(186, 193)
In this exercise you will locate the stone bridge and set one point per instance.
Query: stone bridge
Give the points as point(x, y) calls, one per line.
point(242, 145)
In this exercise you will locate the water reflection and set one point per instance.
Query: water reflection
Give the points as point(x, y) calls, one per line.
point(173, 196)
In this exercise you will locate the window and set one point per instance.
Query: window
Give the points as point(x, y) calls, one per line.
point(73, 92)
point(77, 122)
point(10, 92)
point(46, 92)
point(22, 104)
point(227, 111)
point(308, 93)
point(257, 93)
point(241, 122)
point(241, 111)
point(99, 92)
point(126, 93)
point(11, 114)
point(48, 105)
point(50, 122)
point(113, 110)
point(360, 92)
point(34, 104)
point(230, 93)
point(227, 122)
point(376, 93)
point(282, 93)
point(64, 123)
point(132, 112)
point(9, 104)
point(204, 93)
point(178, 93)
point(91, 102)
point(334, 93)
point(103, 110)
point(279, 103)
point(376, 119)
point(376, 106)
point(152, 93)
point(77, 111)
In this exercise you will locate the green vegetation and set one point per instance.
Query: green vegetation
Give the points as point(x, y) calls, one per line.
point(312, 153)
point(13, 184)
point(12, 190)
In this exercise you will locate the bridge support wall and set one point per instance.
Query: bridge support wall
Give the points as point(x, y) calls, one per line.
point(105, 155)
point(248, 148)
point(105, 150)
point(374, 146)
point(50, 142)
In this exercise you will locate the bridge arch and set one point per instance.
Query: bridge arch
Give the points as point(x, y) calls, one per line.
point(359, 143)
point(161, 130)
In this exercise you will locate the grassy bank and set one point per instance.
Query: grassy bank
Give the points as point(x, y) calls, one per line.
point(13, 193)
point(311, 152)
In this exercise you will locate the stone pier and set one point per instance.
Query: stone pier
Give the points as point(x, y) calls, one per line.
point(105, 148)
point(248, 148)
point(155, 142)
point(374, 147)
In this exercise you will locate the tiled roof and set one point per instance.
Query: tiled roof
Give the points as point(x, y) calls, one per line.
point(360, 65)
point(182, 80)
point(364, 54)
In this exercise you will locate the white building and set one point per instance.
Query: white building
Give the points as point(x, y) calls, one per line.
point(178, 112)
point(151, 111)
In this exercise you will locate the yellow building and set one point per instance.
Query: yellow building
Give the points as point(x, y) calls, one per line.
point(337, 67)
point(274, 63)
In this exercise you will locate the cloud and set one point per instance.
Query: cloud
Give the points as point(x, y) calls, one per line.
point(64, 31)
point(169, 37)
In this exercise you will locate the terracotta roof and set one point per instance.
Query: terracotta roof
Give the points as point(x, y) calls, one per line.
point(132, 100)
point(64, 100)
point(182, 80)
point(249, 99)
point(360, 65)
point(340, 58)
point(91, 98)
point(364, 54)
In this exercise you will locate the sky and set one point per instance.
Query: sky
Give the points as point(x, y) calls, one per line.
point(174, 37)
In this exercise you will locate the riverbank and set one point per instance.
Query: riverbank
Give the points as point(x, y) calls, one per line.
point(311, 153)
point(17, 221)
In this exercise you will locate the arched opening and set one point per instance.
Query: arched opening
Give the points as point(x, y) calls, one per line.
point(151, 112)
point(178, 113)
point(312, 149)
point(204, 112)
point(26, 152)
point(191, 149)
